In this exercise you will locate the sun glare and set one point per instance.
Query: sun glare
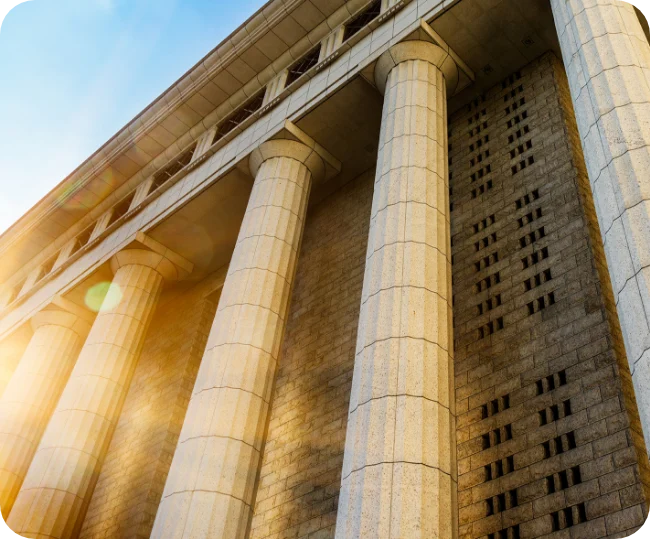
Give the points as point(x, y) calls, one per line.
point(103, 296)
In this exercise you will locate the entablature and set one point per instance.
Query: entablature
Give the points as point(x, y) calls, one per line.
point(352, 57)
point(351, 22)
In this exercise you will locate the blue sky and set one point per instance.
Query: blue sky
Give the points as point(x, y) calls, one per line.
point(74, 72)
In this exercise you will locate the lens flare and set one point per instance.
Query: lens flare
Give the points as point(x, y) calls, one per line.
point(103, 296)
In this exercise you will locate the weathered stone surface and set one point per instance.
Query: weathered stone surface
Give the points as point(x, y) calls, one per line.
point(607, 59)
point(132, 479)
point(548, 433)
point(300, 475)
point(399, 470)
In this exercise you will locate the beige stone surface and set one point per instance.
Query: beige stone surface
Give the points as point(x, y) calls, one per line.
point(607, 58)
point(32, 393)
point(209, 490)
point(12, 349)
point(332, 42)
point(399, 470)
point(57, 488)
point(399, 474)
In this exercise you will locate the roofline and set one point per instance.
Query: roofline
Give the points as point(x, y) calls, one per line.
point(235, 41)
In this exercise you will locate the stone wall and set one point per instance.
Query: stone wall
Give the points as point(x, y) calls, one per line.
point(301, 470)
point(132, 480)
point(547, 424)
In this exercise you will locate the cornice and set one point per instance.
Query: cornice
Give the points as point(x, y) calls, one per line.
point(216, 60)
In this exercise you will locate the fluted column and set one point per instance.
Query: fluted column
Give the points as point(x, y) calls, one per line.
point(607, 59)
point(399, 470)
point(12, 348)
point(58, 486)
point(32, 393)
point(209, 490)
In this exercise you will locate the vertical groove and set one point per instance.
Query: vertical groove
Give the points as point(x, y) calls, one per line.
point(29, 400)
point(399, 470)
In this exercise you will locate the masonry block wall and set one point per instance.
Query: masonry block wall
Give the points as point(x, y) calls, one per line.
point(132, 480)
point(300, 476)
point(547, 425)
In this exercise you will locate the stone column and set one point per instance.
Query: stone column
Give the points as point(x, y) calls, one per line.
point(210, 487)
point(33, 391)
point(12, 348)
point(60, 481)
point(607, 59)
point(399, 476)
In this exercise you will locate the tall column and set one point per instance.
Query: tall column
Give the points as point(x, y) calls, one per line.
point(607, 59)
point(209, 489)
point(33, 391)
point(57, 488)
point(399, 476)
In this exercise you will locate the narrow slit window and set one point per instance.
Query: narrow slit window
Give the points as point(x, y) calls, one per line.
point(304, 64)
point(121, 208)
point(240, 115)
point(172, 168)
point(359, 22)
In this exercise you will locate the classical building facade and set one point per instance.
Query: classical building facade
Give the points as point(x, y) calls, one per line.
point(369, 269)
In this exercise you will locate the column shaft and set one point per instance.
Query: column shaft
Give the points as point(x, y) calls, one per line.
point(399, 471)
point(11, 350)
point(607, 59)
point(33, 391)
point(61, 478)
point(209, 490)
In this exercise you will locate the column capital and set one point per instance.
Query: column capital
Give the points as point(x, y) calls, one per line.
point(292, 150)
point(65, 319)
point(148, 252)
point(63, 312)
point(417, 50)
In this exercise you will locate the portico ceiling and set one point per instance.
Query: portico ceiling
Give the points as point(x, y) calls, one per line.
point(205, 229)
point(496, 37)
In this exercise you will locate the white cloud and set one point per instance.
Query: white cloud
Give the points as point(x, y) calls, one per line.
point(6, 6)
